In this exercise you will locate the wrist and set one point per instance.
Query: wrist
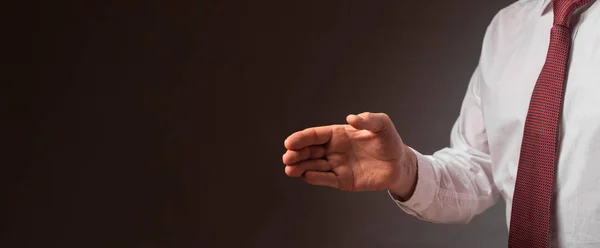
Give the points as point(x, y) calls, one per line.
point(406, 182)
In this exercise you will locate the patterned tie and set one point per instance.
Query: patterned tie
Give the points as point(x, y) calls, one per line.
point(531, 209)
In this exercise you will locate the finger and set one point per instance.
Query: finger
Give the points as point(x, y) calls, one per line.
point(321, 178)
point(374, 122)
point(296, 170)
point(308, 137)
point(295, 156)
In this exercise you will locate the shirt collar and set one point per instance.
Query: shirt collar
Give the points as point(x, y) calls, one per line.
point(543, 6)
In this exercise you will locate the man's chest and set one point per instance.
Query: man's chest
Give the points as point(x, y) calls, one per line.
point(514, 69)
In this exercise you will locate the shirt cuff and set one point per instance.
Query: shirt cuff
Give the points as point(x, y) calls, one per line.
point(425, 189)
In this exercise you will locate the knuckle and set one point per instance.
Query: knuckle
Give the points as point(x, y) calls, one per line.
point(383, 117)
point(338, 128)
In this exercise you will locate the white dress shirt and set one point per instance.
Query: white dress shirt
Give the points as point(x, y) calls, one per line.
point(463, 180)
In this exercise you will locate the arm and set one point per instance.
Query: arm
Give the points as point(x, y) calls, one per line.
point(450, 186)
point(455, 183)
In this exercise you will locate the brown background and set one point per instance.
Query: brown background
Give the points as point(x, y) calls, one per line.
point(161, 123)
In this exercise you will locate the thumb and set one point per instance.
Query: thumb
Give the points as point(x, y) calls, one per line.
point(374, 122)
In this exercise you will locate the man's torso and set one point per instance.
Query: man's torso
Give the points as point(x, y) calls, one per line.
point(511, 61)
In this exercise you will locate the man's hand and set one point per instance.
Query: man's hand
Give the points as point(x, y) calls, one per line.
point(366, 155)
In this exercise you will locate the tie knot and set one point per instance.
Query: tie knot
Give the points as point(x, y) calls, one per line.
point(563, 10)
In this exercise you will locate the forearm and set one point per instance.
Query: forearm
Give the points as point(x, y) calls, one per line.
point(452, 186)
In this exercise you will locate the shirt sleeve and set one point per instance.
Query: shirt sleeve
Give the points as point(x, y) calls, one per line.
point(455, 183)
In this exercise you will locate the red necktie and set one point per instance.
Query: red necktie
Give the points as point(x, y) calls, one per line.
point(531, 205)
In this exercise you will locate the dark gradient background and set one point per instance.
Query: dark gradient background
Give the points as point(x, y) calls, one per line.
point(161, 123)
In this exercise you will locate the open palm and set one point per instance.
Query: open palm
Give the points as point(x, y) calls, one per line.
point(365, 155)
